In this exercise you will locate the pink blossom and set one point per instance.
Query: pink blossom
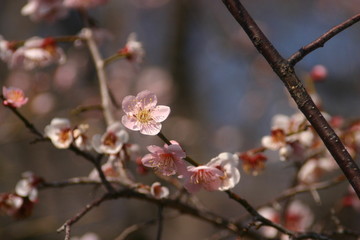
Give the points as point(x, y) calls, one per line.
point(209, 178)
point(167, 160)
point(112, 140)
point(298, 218)
point(290, 136)
point(220, 173)
point(48, 10)
point(273, 215)
point(14, 97)
point(59, 132)
point(318, 73)
point(37, 52)
point(159, 191)
point(315, 168)
point(133, 49)
point(84, 3)
point(143, 114)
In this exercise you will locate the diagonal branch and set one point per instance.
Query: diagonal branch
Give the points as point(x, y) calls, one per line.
point(67, 225)
point(73, 148)
point(286, 73)
point(299, 55)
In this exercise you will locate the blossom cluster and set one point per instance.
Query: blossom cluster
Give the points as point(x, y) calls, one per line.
point(220, 173)
point(298, 218)
point(143, 114)
point(19, 204)
point(38, 52)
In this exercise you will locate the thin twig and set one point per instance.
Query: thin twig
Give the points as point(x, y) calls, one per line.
point(253, 212)
point(308, 188)
point(286, 73)
point(26, 122)
point(113, 58)
point(67, 225)
point(99, 65)
point(319, 42)
point(160, 222)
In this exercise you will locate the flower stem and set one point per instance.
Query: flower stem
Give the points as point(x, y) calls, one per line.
point(113, 58)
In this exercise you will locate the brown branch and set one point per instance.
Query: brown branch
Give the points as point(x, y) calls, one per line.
point(26, 122)
point(74, 149)
point(169, 203)
point(257, 217)
point(67, 225)
point(286, 73)
point(299, 55)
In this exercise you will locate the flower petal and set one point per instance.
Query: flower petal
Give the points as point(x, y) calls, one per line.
point(131, 123)
point(151, 128)
point(154, 149)
point(160, 113)
point(128, 104)
point(147, 99)
point(148, 160)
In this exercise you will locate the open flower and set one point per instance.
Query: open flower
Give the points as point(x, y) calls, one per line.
point(142, 114)
point(167, 160)
point(112, 140)
point(220, 173)
point(59, 132)
point(14, 97)
point(37, 52)
point(159, 191)
point(133, 49)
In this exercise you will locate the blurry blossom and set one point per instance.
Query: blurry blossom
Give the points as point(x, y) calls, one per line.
point(195, 54)
point(87, 236)
point(43, 103)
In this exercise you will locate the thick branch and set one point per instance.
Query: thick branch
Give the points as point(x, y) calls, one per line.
point(296, 57)
point(297, 91)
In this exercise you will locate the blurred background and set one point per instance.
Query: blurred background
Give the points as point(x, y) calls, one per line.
point(199, 61)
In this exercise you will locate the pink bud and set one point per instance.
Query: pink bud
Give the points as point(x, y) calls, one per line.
point(318, 73)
